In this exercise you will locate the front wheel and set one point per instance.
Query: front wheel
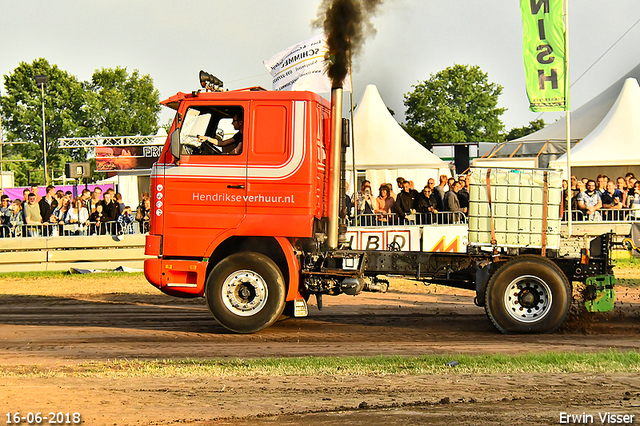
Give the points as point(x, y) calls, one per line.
point(529, 294)
point(245, 292)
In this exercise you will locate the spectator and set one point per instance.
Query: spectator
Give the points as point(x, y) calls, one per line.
point(391, 193)
point(453, 202)
point(627, 179)
point(78, 216)
point(125, 220)
point(94, 200)
point(439, 192)
point(601, 183)
point(143, 215)
point(16, 218)
point(584, 181)
point(363, 201)
point(62, 211)
point(399, 182)
point(36, 189)
point(118, 199)
point(431, 183)
point(348, 204)
point(85, 196)
point(427, 205)
point(589, 202)
point(25, 195)
point(48, 204)
point(622, 187)
point(631, 185)
point(59, 194)
point(110, 209)
point(5, 214)
point(31, 213)
point(463, 193)
point(383, 205)
point(635, 203)
point(611, 199)
point(405, 201)
point(97, 220)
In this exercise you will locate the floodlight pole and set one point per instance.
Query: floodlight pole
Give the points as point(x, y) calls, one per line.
point(41, 80)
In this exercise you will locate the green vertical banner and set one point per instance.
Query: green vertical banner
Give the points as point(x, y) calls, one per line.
point(544, 54)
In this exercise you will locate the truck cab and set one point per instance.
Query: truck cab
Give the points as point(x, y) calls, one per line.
point(211, 202)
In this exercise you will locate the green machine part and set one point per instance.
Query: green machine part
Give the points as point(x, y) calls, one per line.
point(599, 293)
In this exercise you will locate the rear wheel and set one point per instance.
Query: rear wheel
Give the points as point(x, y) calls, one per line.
point(529, 294)
point(245, 292)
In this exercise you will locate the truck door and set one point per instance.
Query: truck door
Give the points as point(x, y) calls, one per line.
point(206, 192)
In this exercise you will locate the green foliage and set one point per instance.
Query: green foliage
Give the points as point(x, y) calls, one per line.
point(22, 115)
point(518, 132)
point(113, 103)
point(118, 104)
point(457, 104)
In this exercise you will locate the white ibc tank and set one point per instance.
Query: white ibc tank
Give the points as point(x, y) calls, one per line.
point(517, 205)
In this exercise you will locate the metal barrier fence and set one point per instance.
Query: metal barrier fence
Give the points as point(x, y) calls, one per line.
point(73, 229)
point(608, 215)
point(392, 219)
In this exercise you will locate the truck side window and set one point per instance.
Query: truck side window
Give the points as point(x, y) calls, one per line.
point(213, 130)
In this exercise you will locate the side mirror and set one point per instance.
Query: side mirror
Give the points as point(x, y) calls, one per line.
point(175, 145)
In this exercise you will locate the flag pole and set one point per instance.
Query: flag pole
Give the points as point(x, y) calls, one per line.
point(567, 109)
point(353, 146)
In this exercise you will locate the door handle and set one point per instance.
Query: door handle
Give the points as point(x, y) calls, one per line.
point(235, 186)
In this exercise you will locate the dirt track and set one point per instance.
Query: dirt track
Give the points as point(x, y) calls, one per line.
point(54, 332)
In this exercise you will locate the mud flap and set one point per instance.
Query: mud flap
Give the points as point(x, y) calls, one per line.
point(600, 294)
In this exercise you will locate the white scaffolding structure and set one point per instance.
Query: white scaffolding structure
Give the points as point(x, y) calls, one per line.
point(92, 142)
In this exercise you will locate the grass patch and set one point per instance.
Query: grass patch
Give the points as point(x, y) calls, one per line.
point(606, 362)
point(632, 262)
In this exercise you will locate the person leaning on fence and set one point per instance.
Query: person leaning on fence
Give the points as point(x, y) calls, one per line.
point(48, 204)
point(383, 204)
point(125, 221)
point(453, 203)
point(16, 219)
point(77, 220)
point(143, 215)
point(590, 202)
point(31, 215)
point(5, 214)
point(95, 198)
point(97, 220)
point(427, 205)
point(611, 202)
point(634, 204)
point(405, 203)
point(363, 201)
point(60, 214)
point(110, 210)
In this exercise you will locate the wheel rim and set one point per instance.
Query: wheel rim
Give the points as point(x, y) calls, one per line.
point(528, 299)
point(244, 293)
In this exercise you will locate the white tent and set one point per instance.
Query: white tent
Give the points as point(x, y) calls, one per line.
point(613, 147)
point(549, 143)
point(384, 151)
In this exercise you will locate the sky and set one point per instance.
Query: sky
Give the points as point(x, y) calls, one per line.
point(172, 41)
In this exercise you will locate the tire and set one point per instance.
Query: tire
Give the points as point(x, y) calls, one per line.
point(245, 292)
point(529, 294)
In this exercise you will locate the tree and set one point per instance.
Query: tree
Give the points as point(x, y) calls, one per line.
point(518, 132)
point(457, 104)
point(22, 114)
point(113, 103)
point(119, 104)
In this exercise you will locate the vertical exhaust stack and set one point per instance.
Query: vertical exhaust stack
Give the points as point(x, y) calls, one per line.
point(334, 177)
point(346, 24)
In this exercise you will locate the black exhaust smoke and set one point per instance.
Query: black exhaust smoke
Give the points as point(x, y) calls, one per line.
point(346, 24)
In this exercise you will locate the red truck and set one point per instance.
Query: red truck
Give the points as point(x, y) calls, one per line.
point(250, 221)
